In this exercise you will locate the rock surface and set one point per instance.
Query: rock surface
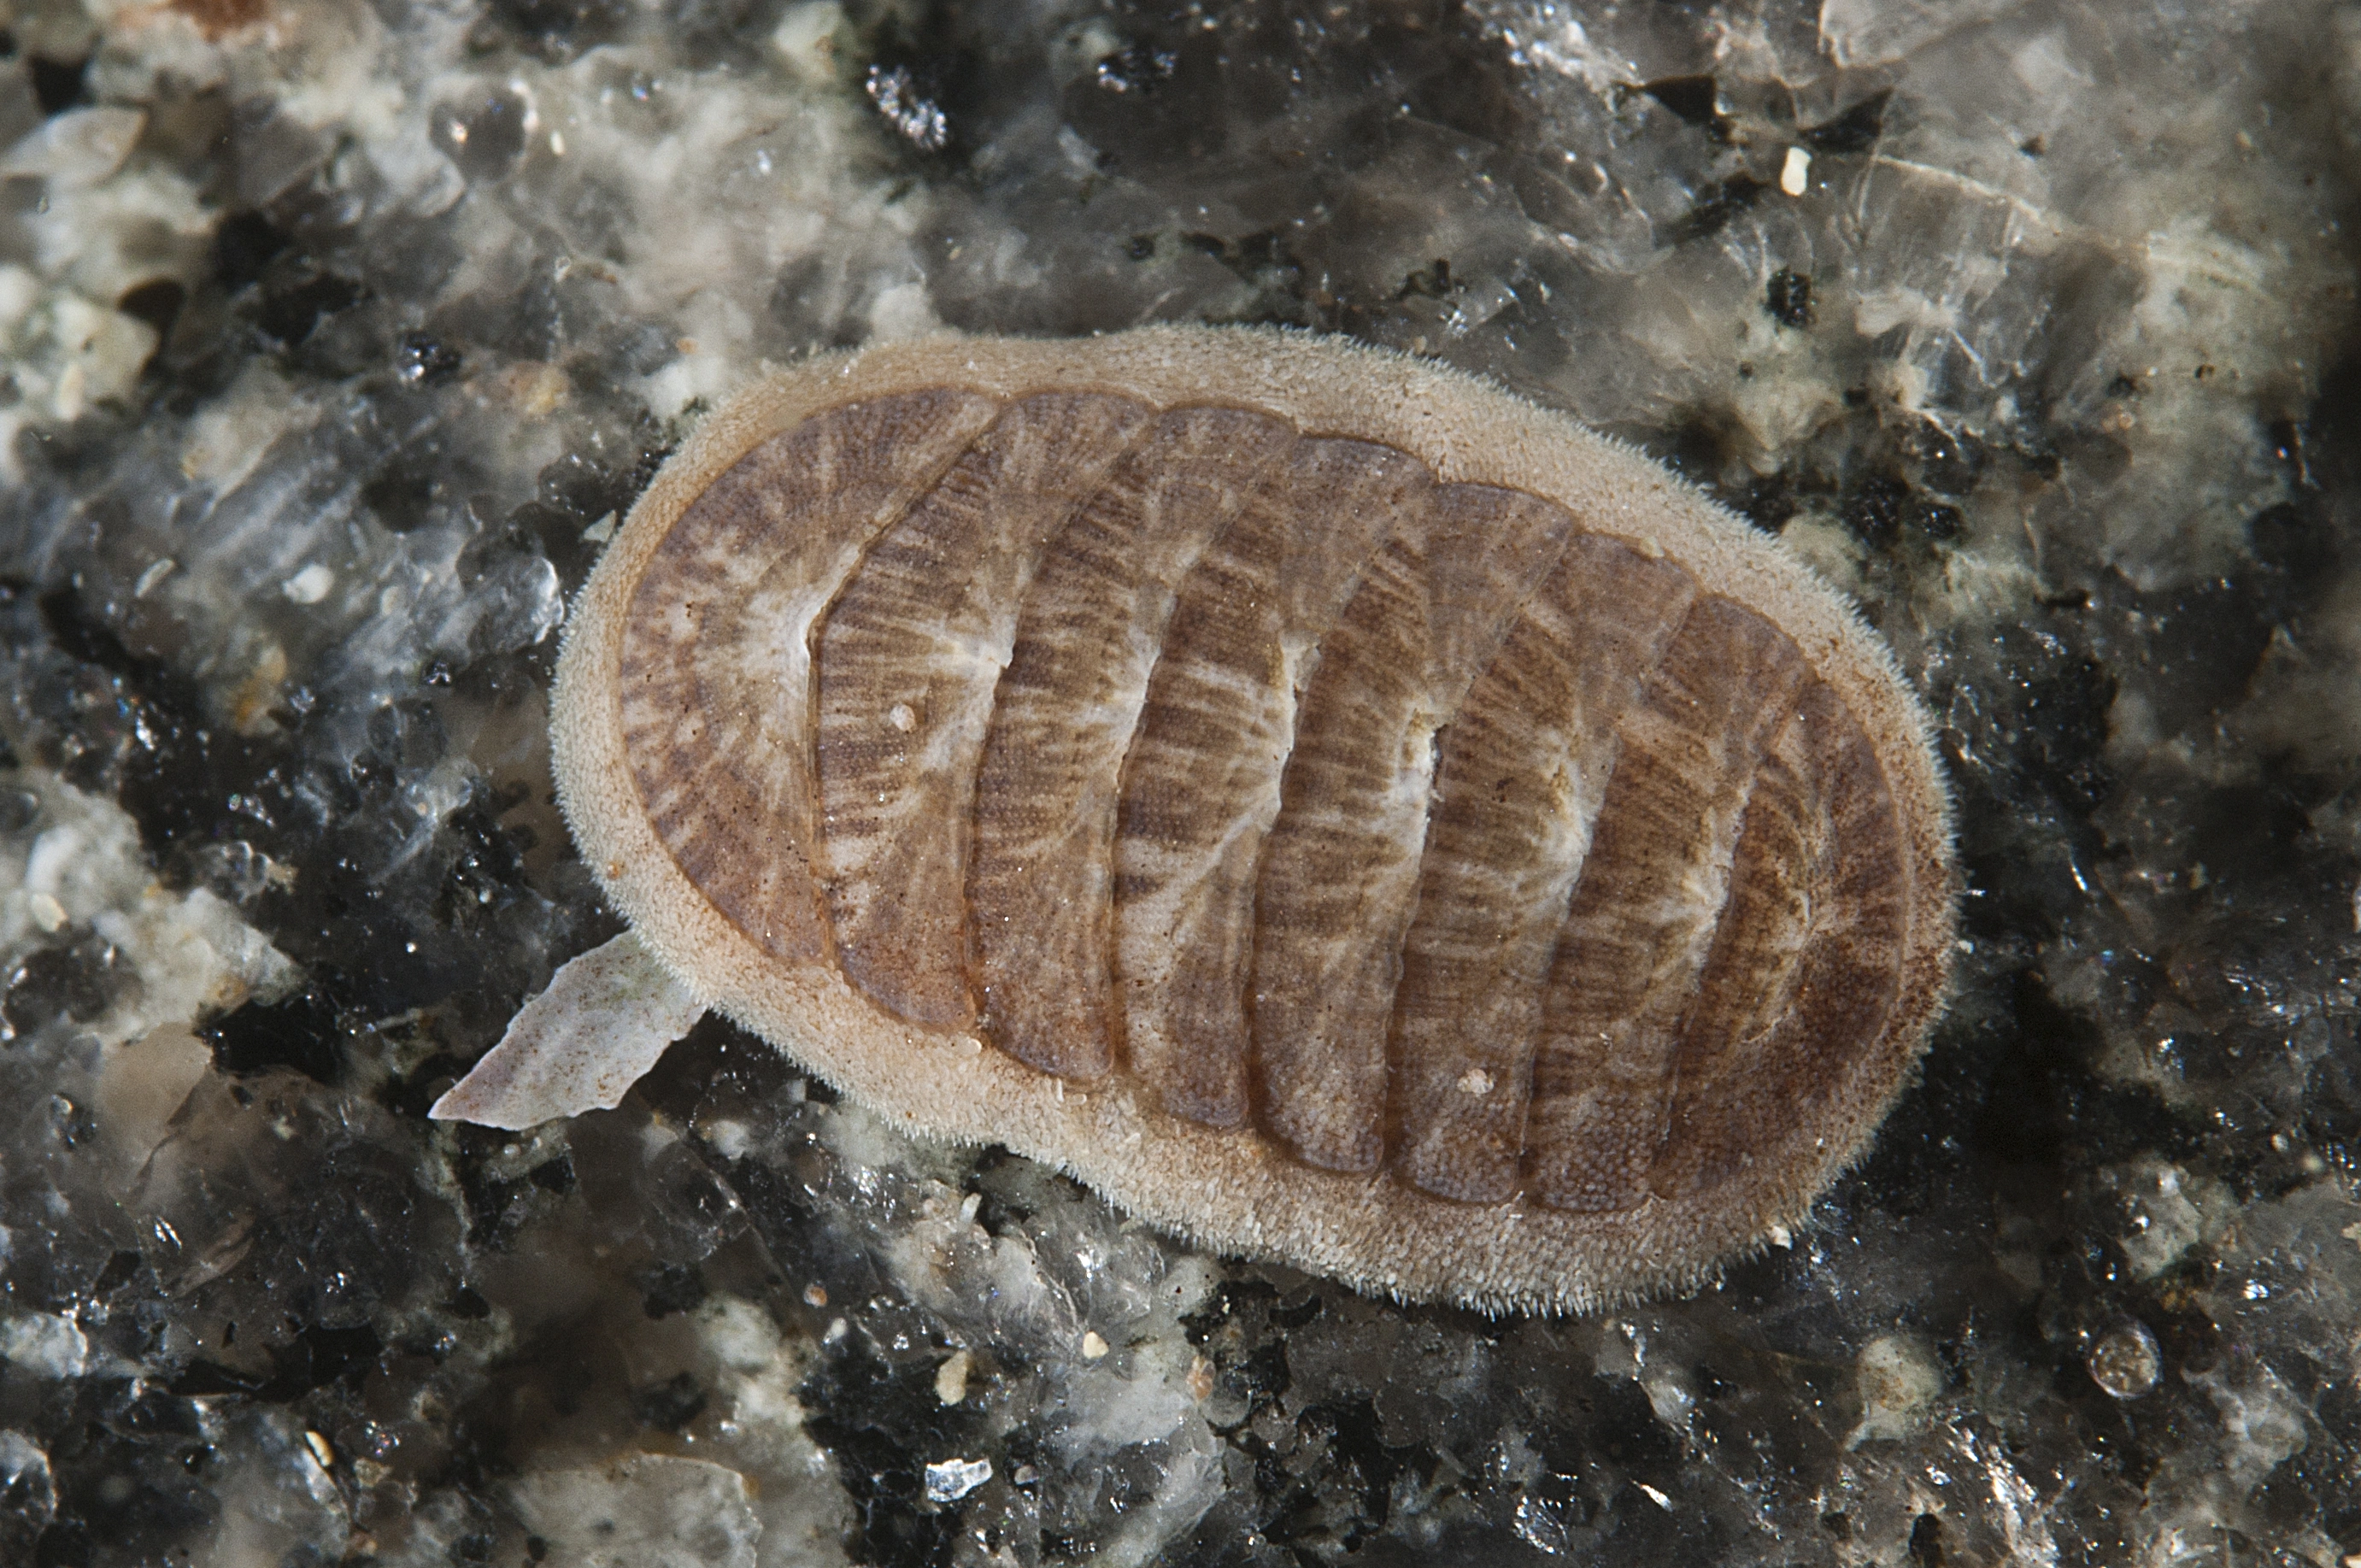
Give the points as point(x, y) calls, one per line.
point(335, 339)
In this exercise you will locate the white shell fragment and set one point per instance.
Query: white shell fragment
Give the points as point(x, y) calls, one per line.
point(580, 1045)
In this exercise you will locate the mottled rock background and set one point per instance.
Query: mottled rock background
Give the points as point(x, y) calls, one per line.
point(335, 336)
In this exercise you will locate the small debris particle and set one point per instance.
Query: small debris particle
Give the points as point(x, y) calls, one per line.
point(1795, 173)
point(311, 585)
point(908, 109)
point(1093, 1347)
point(815, 1295)
point(2126, 1362)
point(421, 360)
point(955, 1479)
point(1136, 67)
point(950, 1378)
point(322, 1453)
point(1788, 299)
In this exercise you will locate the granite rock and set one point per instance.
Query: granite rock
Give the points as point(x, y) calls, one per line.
point(335, 340)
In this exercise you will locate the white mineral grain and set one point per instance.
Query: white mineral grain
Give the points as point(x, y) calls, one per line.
point(141, 1083)
point(72, 354)
point(1149, 1400)
point(44, 1344)
point(755, 1371)
point(1897, 1380)
point(190, 951)
point(80, 147)
point(809, 36)
point(311, 585)
point(277, 1504)
point(25, 1473)
point(224, 441)
point(1191, 1479)
point(2166, 1211)
point(645, 1511)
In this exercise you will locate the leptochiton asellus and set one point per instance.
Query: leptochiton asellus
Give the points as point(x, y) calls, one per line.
point(1341, 812)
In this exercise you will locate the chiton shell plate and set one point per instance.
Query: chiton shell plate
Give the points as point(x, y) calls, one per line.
point(1341, 812)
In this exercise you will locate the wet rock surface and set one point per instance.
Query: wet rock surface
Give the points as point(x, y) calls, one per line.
point(335, 340)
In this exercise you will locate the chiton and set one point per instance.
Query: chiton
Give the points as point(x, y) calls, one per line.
point(1341, 812)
